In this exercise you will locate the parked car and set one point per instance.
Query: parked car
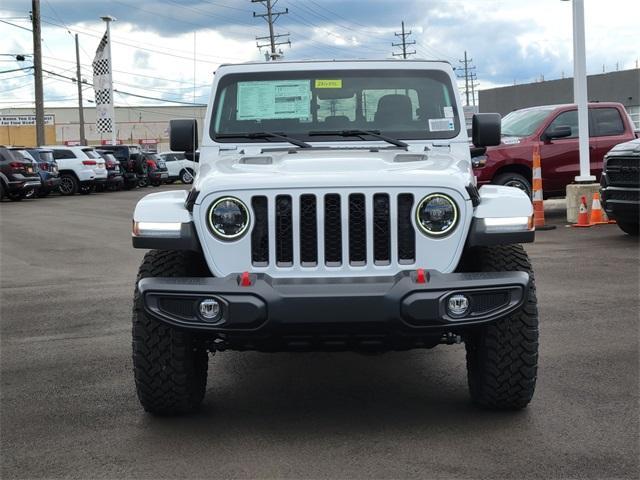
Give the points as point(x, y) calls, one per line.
point(156, 168)
point(47, 169)
point(81, 168)
point(179, 167)
point(554, 128)
point(18, 176)
point(134, 168)
point(115, 172)
point(30, 192)
point(620, 186)
point(370, 240)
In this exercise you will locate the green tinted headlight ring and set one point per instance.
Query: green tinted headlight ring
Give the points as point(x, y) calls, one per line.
point(454, 221)
point(226, 236)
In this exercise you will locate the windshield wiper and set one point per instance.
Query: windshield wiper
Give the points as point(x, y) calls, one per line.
point(280, 136)
point(359, 133)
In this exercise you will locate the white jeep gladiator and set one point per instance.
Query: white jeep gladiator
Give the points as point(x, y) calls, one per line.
point(335, 208)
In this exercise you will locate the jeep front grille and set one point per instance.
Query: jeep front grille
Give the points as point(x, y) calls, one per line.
point(332, 230)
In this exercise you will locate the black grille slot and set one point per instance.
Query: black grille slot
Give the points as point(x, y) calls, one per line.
point(332, 230)
point(260, 233)
point(357, 230)
point(308, 231)
point(180, 307)
point(623, 195)
point(284, 231)
point(628, 162)
point(629, 178)
point(381, 229)
point(406, 232)
point(485, 302)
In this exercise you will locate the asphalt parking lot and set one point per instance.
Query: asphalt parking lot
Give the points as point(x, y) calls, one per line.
point(68, 405)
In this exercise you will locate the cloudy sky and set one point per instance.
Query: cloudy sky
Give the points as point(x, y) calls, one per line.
point(168, 49)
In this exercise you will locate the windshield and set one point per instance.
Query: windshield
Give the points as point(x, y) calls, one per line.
point(522, 123)
point(408, 104)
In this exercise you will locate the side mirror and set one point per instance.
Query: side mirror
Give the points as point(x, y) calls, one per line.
point(193, 156)
point(183, 135)
point(561, 131)
point(485, 129)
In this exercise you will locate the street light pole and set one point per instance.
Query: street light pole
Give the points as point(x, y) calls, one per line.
point(580, 90)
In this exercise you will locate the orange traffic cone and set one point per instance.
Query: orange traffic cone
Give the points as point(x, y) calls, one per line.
point(597, 215)
point(538, 206)
point(583, 215)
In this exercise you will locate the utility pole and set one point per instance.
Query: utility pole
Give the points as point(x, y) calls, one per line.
point(403, 43)
point(37, 71)
point(83, 140)
point(271, 18)
point(467, 75)
point(474, 84)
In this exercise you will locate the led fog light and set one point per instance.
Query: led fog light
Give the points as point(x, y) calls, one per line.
point(458, 305)
point(210, 309)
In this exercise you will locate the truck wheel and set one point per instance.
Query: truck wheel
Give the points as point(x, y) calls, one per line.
point(169, 365)
point(502, 357)
point(513, 180)
point(629, 228)
point(69, 184)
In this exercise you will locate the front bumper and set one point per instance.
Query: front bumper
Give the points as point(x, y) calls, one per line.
point(396, 304)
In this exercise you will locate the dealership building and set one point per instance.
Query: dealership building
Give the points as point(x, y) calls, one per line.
point(144, 125)
point(622, 87)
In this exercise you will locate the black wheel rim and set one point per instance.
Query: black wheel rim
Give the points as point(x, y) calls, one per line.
point(66, 186)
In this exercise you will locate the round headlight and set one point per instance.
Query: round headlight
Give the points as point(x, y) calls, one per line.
point(437, 214)
point(228, 218)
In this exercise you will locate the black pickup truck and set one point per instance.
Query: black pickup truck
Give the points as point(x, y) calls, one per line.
point(620, 186)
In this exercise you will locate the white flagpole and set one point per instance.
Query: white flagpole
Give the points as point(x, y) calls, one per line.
point(108, 19)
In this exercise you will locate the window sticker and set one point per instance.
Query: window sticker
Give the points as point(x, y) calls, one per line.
point(447, 112)
point(441, 124)
point(274, 99)
point(328, 83)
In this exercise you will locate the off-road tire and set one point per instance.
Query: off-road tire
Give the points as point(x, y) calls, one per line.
point(514, 180)
point(630, 228)
point(170, 365)
point(502, 357)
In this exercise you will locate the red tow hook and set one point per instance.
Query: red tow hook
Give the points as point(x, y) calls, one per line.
point(421, 276)
point(245, 279)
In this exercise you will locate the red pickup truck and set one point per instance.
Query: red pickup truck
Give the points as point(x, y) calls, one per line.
point(555, 129)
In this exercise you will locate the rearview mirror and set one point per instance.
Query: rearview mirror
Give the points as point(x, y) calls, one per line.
point(561, 131)
point(193, 156)
point(485, 129)
point(183, 135)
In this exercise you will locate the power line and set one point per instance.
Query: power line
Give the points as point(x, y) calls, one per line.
point(16, 70)
point(271, 17)
point(129, 93)
point(403, 43)
point(14, 25)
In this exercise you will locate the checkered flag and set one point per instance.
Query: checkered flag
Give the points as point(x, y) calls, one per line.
point(103, 87)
